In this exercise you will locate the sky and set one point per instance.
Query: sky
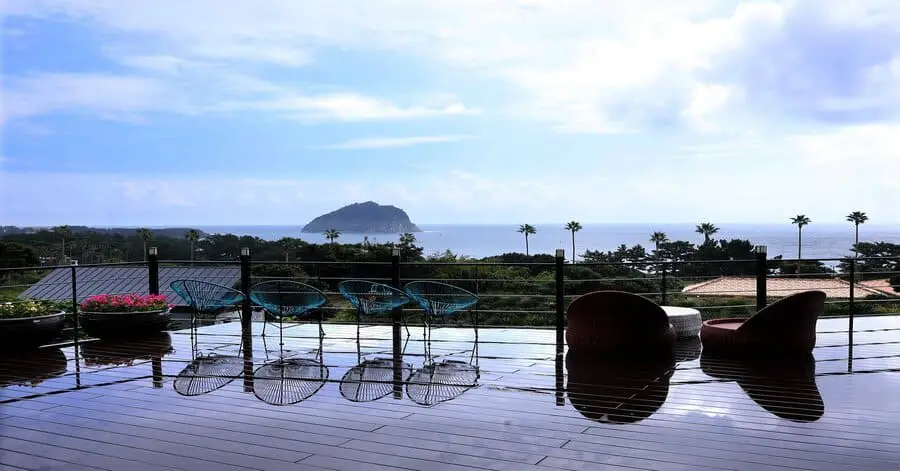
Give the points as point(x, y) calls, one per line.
point(205, 112)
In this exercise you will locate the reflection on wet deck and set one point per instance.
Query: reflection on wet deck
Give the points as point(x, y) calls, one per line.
point(213, 401)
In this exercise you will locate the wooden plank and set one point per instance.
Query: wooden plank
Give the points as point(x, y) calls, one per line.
point(117, 445)
point(446, 453)
point(238, 452)
point(71, 452)
point(11, 459)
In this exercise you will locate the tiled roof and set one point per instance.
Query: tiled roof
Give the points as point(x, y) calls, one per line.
point(57, 286)
point(746, 286)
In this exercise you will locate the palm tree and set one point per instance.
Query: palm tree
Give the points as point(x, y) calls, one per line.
point(527, 229)
point(857, 218)
point(800, 220)
point(192, 237)
point(146, 236)
point(707, 229)
point(286, 244)
point(658, 238)
point(407, 239)
point(65, 232)
point(332, 235)
point(573, 226)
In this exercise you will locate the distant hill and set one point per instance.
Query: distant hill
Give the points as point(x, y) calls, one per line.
point(176, 232)
point(368, 217)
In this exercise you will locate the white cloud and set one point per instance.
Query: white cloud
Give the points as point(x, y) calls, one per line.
point(579, 65)
point(129, 97)
point(104, 94)
point(393, 142)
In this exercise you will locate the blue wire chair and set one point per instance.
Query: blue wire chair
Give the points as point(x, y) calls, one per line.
point(371, 379)
point(441, 299)
point(371, 298)
point(206, 373)
point(282, 298)
point(439, 382)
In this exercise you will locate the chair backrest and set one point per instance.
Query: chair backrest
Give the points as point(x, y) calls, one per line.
point(440, 299)
point(795, 313)
point(287, 298)
point(370, 297)
point(616, 311)
point(204, 296)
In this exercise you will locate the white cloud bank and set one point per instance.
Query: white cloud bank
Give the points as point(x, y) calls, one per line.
point(578, 65)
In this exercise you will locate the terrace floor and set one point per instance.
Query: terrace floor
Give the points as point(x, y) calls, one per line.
point(121, 406)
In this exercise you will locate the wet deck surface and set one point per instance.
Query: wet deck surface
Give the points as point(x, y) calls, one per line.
point(123, 406)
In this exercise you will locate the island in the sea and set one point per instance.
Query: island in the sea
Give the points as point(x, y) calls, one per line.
point(362, 218)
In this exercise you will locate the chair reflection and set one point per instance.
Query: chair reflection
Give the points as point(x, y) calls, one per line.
point(126, 351)
point(785, 387)
point(616, 389)
point(374, 378)
point(289, 380)
point(31, 367)
point(687, 349)
point(437, 382)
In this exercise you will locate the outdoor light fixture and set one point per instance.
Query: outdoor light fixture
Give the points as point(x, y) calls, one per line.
point(760, 249)
point(395, 251)
point(153, 251)
point(245, 251)
point(560, 253)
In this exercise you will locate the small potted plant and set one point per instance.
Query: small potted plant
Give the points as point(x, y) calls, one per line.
point(106, 315)
point(29, 323)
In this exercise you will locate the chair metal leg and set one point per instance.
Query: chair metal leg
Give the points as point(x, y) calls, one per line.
point(405, 325)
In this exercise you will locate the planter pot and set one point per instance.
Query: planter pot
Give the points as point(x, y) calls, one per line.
point(31, 367)
point(124, 324)
point(25, 332)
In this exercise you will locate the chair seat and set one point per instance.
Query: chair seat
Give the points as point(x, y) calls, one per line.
point(725, 337)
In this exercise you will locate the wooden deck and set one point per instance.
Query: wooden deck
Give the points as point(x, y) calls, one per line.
point(116, 407)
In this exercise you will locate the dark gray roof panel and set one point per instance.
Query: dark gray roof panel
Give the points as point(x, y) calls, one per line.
point(57, 286)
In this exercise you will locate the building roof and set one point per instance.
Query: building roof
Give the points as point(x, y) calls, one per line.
point(57, 286)
point(786, 286)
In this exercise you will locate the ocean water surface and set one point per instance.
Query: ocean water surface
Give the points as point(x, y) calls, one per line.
point(819, 241)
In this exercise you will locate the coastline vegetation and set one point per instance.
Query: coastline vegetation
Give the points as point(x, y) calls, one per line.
point(514, 288)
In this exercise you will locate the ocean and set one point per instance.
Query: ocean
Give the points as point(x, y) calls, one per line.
point(819, 241)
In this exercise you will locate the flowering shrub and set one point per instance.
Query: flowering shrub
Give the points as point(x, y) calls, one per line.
point(124, 303)
point(26, 309)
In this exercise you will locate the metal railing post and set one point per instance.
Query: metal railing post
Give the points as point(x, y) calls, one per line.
point(246, 308)
point(560, 299)
point(396, 318)
point(851, 313)
point(664, 288)
point(762, 272)
point(75, 315)
point(153, 270)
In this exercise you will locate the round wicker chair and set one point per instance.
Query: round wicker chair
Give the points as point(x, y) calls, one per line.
point(785, 327)
point(606, 321)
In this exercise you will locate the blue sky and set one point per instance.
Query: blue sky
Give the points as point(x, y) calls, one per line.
point(459, 111)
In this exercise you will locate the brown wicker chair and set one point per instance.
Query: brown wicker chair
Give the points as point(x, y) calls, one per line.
point(786, 327)
point(786, 387)
point(606, 321)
